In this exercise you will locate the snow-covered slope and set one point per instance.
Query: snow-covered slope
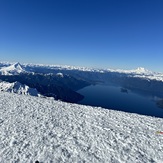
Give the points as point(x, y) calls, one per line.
point(33, 128)
point(13, 69)
point(18, 88)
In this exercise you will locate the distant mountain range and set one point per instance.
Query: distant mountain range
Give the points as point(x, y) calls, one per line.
point(62, 82)
point(21, 79)
point(7, 68)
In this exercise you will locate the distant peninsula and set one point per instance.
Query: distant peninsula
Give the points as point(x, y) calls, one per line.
point(160, 103)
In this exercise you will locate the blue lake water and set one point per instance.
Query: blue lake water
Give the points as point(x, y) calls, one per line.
point(112, 97)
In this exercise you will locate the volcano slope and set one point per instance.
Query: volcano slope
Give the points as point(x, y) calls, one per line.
point(42, 129)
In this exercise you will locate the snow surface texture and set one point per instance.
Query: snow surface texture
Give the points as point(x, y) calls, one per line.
point(18, 88)
point(34, 128)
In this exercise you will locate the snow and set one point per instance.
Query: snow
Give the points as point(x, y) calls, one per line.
point(17, 68)
point(139, 72)
point(13, 69)
point(34, 128)
point(18, 88)
point(60, 74)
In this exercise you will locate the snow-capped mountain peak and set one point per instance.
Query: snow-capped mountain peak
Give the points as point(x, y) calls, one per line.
point(13, 69)
point(60, 74)
point(17, 66)
point(141, 70)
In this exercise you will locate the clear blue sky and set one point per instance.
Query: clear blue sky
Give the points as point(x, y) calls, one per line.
point(93, 33)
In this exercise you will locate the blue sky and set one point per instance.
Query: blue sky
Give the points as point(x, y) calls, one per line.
point(94, 33)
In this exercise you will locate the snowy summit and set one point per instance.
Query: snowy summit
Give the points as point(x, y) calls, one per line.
point(13, 69)
point(38, 129)
point(139, 70)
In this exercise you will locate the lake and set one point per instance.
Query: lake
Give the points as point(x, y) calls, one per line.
point(118, 98)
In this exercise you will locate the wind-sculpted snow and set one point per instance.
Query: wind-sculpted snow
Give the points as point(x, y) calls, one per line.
point(34, 128)
point(18, 88)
